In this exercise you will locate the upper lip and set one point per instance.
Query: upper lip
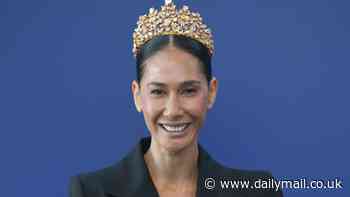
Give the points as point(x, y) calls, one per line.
point(175, 124)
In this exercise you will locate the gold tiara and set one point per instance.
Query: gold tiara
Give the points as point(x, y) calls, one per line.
point(169, 21)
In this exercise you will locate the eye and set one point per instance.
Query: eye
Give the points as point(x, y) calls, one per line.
point(157, 92)
point(189, 91)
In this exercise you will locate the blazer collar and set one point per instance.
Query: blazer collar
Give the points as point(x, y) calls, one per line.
point(130, 176)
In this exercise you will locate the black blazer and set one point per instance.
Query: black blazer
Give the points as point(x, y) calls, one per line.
point(130, 178)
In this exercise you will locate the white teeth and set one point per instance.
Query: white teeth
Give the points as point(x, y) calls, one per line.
point(172, 128)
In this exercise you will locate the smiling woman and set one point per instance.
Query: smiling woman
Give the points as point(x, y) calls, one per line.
point(174, 90)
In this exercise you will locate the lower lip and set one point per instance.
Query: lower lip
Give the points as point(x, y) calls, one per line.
point(176, 134)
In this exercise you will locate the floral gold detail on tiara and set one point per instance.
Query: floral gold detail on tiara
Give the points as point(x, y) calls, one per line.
point(169, 21)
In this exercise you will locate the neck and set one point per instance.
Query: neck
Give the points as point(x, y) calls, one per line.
point(172, 167)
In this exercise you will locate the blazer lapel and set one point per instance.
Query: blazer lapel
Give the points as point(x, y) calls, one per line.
point(210, 173)
point(130, 176)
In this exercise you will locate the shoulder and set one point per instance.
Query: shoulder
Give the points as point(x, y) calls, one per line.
point(93, 183)
point(115, 179)
point(210, 167)
point(226, 180)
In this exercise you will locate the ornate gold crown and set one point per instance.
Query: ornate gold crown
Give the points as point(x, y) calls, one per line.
point(169, 21)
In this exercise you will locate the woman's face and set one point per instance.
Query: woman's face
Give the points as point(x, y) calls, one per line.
point(174, 98)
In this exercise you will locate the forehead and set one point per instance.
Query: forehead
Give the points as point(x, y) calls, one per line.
point(172, 65)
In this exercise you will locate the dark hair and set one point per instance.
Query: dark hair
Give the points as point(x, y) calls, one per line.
point(187, 44)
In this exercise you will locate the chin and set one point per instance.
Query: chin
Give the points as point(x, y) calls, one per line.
point(178, 145)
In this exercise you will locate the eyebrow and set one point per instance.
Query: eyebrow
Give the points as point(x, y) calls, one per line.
point(185, 83)
point(190, 83)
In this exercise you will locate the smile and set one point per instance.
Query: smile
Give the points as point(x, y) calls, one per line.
point(175, 128)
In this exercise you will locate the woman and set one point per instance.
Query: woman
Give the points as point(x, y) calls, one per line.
point(174, 90)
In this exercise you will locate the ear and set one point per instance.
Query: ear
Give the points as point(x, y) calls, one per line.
point(213, 88)
point(135, 88)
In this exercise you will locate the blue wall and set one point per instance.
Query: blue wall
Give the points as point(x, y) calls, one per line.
point(66, 105)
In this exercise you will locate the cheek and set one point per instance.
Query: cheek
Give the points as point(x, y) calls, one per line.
point(197, 106)
point(150, 107)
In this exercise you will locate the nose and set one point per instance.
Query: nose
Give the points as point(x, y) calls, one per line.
point(173, 109)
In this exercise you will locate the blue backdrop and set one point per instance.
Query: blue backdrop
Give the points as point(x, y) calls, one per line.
point(66, 105)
